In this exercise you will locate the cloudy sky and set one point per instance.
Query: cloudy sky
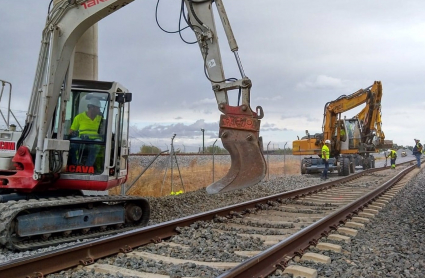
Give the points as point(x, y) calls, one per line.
point(299, 55)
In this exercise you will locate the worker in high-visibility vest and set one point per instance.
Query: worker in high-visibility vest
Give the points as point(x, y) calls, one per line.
point(417, 152)
point(393, 156)
point(86, 126)
point(325, 159)
point(342, 135)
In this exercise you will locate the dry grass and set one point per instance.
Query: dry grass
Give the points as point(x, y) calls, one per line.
point(194, 177)
point(291, 167)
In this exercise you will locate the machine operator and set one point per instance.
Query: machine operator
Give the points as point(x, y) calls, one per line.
point(85, 126)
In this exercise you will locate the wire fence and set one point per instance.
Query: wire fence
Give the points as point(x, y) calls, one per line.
point(173, 174)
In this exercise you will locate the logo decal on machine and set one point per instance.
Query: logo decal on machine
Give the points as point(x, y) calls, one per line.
point(80, 169)
point(7, 146)
point(91, 3)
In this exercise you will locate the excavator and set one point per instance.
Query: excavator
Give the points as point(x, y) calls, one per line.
point(41, 188)
point(353, 141)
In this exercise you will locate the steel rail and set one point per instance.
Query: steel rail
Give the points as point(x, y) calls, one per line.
point(86, 253)
point(271, 259)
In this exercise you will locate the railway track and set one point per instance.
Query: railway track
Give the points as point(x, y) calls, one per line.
point(252, 239)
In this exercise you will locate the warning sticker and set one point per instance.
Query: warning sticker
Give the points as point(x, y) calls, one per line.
point(211, 63)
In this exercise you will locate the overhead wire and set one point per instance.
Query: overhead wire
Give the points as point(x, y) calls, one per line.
point(180, 29)
point(50, 5)
point(183, 15)
point(206, 45)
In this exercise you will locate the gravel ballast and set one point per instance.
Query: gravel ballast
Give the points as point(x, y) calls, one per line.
point(390, 246)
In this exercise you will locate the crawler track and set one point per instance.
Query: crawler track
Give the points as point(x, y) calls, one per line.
point(11, 209)
point(255, 237)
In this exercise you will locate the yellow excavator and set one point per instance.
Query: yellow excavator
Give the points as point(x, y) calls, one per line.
point(353, 141)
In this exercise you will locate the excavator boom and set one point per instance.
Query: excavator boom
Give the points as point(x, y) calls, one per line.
point(370, 119)
point(239, 125)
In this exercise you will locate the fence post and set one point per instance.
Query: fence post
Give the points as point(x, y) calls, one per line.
point(284, 159)
point(125, 189)
point(171, 160)
point(268, 165)
point(213, 158)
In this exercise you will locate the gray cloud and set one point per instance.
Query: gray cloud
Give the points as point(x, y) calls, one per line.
point(189, 131)
point(321, 82)
point(298, 54)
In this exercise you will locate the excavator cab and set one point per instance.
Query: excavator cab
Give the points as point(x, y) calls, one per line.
point(99, 149)
point(87, 147)
point(350, 129)
point(353, 133)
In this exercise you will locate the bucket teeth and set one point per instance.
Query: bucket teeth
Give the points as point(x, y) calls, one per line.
point(248, 166)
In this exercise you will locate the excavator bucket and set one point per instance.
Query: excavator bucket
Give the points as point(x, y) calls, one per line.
point(240, 136)
point(387, 144)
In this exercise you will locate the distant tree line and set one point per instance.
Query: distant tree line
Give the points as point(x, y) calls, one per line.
point(399, 147)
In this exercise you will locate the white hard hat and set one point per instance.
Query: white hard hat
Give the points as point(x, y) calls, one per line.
point(327, 141)
point(94, 102)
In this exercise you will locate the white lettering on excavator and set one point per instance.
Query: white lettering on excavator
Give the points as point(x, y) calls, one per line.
point(92, 3)
point(7, 146)
point(211, 63)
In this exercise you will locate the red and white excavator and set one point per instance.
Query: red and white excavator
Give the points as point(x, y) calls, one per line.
point(40, 187)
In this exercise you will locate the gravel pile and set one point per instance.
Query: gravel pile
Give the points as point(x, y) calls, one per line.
point(392, 245)
point(173, 207)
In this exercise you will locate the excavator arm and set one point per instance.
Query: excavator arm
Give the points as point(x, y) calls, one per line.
point(370, 119)
point(239, 125)
point(66, 23)
point(334, 109)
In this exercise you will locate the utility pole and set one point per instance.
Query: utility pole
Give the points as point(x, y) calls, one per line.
point(203, 140)
point(213, 152)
